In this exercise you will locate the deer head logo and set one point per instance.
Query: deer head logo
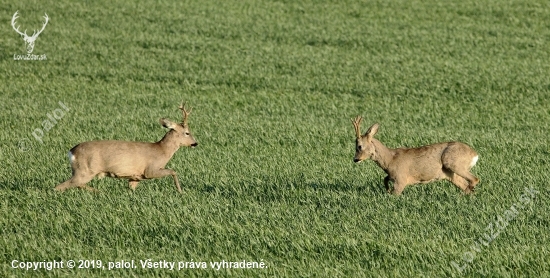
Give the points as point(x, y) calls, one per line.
point(29, 41)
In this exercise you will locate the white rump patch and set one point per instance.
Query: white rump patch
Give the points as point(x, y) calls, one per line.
point(474, 161)
point(71, 157)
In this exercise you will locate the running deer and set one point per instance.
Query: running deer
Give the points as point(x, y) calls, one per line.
point(134, 161)
point(404, 166)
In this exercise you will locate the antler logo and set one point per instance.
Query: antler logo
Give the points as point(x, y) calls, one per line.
point(29, 41)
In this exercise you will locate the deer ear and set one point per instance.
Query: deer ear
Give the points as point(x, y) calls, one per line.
point(167, 123)
point(371, 131)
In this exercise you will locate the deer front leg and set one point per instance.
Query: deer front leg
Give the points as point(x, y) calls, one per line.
point(398, 186)
point(159, 173)
point(176, 182)
point(397, 189)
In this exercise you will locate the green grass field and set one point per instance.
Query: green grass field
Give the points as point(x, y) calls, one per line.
point(273, 86)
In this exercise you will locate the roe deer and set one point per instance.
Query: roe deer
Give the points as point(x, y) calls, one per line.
point(134, 161)
point(403, 166)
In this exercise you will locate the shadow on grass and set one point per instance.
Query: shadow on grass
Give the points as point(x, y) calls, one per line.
point(267, 188)
point(277, 189)
point(24, 184)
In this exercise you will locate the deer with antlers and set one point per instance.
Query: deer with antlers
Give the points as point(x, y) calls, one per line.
point(29, 41)
point(404, 166)
point(134, 161)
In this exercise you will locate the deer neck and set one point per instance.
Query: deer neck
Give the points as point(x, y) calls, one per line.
point(168, 143)
point(382, 155)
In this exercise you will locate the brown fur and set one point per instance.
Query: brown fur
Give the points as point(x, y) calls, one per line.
point(404, 166)
point(134, 161)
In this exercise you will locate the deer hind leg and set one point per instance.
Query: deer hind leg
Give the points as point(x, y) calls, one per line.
point(459, 159)
point(472, 180)
point(77, 180)
point(65, 185)
point(461, 177)
point(159, 173)
point(460, 182)
point(133, 184)
point(81, 174)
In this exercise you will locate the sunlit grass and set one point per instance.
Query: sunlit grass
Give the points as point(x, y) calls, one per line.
point(273, 86)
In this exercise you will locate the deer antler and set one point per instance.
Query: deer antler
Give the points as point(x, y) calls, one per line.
point(34, 34)
point(357, 124)
point(13, 19)
point(185, 113)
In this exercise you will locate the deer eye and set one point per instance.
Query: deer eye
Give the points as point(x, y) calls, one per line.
point(187, 133)
point(359, 147)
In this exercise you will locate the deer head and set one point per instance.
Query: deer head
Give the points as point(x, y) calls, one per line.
point(364, 148)
point(29, 41)
point(181, 130)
